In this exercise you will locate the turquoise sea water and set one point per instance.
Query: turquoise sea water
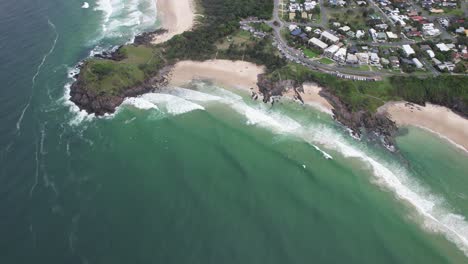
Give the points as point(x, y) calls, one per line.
point(202, 175)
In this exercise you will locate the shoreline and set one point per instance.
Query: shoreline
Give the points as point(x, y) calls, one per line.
point(438, 120)
point(244, 76)
point(177, 16)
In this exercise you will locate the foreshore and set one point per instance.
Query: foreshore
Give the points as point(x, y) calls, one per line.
point(241, 75)
point(436, 119)
point(176, 17)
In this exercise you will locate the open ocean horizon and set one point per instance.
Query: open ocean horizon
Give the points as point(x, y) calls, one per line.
point(200, 174)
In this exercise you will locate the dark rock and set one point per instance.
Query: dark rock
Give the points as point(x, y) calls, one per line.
point(147, 37)
point(102, 104)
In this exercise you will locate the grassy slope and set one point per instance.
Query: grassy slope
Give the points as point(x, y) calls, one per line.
point(112, 77)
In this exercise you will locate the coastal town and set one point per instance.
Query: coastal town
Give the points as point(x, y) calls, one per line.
point(370, 39)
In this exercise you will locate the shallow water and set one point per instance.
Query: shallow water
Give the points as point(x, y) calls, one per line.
point(205, 176)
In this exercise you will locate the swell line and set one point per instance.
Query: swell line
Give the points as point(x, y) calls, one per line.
point(33, 80)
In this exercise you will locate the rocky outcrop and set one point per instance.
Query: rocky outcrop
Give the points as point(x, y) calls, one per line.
point(376, 125)
point(271, 88)
point(147, 37)
point(101, 104)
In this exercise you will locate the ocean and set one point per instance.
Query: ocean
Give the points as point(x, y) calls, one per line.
point(200, 175)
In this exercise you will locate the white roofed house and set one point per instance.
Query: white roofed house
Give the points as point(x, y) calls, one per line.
point(442, 47)
point(329, 37)
point(374, 59)
point(318, 43)
point(417, 63)
point(330, 51)
point(430, 53)
point(340, 55)
point(408, 50)
point(363, 58)
point(392, 35)
point(351, 59)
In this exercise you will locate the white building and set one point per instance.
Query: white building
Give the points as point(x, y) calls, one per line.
point(318, 43)
point(329, 37)
point(351, 59)
point(309, 5)
point(417, 63)
point(330, 51)
point(340, 55)
point(392, 35)
point(363, 58)
point(442, 47)
point(374, 58)
point(408, 50)
point(430, 53)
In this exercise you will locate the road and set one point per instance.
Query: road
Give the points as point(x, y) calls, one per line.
point(297, 56)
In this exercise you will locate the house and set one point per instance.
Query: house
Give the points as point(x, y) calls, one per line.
point(292, 15)
point(330, 51)
point(430, 53)
point(340, 55)
point(394, 62)
point(351, 34)
point(407, 50)
point(318, 43)
point(384, 61)
point(417, 63)
point(318, 31)
point(381, 37)
point(296, 32)
point(360, 34)
point(329, 37)
point(392, 35)
point(374, 58)
point(292, 27)
point(309, 5)
point(436, 61)
point(346, 28)
point(363, 58)
point(351, 59)
point(413, 34)
point(442, 47)
point(460, 30)
point(446, 66)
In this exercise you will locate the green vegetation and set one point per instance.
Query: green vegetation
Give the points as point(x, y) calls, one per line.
point(218, 36)
point(262, 27)
point(326, 61)
point(221, 19)
point(112, 77)
point(310, 53)
point(450, 91)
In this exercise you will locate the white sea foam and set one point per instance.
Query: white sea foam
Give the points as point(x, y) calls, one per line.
point(437, 217)
point(38, 71)
point(126, 18)
point(173, 104)
point(85, 5)
point(139, 103)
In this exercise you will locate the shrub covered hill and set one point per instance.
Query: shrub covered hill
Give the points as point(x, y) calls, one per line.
point(103, 83)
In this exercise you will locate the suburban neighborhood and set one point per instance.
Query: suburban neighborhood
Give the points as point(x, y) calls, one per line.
point(382, 37)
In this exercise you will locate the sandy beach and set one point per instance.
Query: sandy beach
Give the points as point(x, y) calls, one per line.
point(176, 16)
point(311, 97)
point(240, 75)
point(437, 119)
point(236, 74)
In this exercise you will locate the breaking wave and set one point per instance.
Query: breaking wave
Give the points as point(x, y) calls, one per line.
point(125, 18)
point(434, 212)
